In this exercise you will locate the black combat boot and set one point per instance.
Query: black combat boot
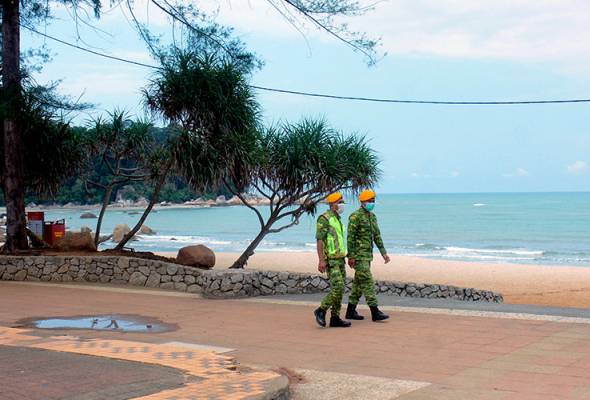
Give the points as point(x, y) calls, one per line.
point(336, 322)
point(320, 316)
point(351, 312)
point(376, 314)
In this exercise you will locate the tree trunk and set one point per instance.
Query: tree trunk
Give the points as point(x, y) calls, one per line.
point(243, 259)
point(153, 200)
point(14, 185)
point(105, 203)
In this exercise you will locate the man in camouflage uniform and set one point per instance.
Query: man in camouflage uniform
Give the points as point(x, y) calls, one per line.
point(331, 247)
point(363, 231)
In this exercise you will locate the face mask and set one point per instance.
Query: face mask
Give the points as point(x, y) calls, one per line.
point(370, 206)
point(340, 208)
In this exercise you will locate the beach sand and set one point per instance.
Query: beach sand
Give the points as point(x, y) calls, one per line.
point(559, 286)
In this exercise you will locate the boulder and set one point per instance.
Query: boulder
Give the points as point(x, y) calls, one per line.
point(221, 201)
point(86, 229)
point(120, 231)
point(234, 201)
point(88, 215)
point(142, 202)
point(76, 241)
point(196, 256)
point(146, 230)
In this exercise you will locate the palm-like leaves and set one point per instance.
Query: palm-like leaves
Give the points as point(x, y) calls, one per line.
point(297, 165)
point(310, 158)
point(210, 101)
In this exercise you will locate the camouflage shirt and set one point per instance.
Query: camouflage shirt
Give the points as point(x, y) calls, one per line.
point(323, 227)
point(363, 231)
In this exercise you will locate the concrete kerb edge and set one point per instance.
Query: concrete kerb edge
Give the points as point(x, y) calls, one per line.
point(221, 284)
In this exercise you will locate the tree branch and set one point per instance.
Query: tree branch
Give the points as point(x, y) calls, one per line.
point(245, 202)
point(100, 185)
point(282, 228)
point(329, 30)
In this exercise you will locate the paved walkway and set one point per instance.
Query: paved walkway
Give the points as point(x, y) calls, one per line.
point(420, 353)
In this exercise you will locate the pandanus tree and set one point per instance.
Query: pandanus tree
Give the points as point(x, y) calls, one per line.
point(211, 111)
point(158, 165)
point(122, 147)
point(296, 166)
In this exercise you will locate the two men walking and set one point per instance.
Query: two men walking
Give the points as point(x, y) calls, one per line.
point(363, 233)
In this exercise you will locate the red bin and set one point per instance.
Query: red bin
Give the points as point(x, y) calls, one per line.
point(35, 220)
point(53, 231)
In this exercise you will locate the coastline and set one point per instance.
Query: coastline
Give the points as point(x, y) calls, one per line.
point(550, 285)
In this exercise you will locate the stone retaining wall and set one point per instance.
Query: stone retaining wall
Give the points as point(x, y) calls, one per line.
point(211, 283)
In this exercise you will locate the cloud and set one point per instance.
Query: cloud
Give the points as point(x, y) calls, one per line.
point(577, 168)
point(518, 30)
point(455, 173)
point(521, 30)
point(517, 173)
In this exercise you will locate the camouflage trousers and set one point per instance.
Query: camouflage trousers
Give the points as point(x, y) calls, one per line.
point(337, 276)
point(363, 284)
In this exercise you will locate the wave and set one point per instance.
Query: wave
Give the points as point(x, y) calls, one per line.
point(479, 205)
point(517, 252)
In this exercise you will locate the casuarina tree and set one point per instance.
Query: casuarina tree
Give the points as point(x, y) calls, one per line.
point(297, 166)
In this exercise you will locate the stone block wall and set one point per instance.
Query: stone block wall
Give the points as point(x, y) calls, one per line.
point(211, 283)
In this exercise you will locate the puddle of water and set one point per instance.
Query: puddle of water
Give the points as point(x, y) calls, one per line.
point(102, 323)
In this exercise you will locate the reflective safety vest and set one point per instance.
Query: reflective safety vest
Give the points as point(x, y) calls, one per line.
point(335, 241)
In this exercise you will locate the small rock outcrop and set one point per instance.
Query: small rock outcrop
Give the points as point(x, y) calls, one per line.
point(76, 241)
point(234, 201)
point(196, 256)
point(119, 232)
point(146, 230)
point(88, 215)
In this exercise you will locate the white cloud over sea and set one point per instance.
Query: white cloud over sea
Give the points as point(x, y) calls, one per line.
point(577, 168)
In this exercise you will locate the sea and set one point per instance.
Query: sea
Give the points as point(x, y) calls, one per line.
point(532, 228)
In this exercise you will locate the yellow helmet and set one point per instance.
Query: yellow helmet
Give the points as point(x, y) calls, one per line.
point(366, 195)
point(334, 197)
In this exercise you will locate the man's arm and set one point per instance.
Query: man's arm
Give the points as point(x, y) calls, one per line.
point(321, 256)
point(351, 239)
point(378, 240)
point(322, 227)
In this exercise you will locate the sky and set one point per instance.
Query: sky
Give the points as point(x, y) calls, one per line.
point(456, 50)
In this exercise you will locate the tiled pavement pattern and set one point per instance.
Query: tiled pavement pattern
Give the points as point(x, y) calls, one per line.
point(35, 374)
point(463, 356)
point(211, 376)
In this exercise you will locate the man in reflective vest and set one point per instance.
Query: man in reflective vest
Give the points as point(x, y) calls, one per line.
point(331, 246)
point(363, 232)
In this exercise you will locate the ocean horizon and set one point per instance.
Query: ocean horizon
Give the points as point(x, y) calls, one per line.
point(550, 228)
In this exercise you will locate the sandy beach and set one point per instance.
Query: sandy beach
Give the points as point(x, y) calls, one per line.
point(559, 286)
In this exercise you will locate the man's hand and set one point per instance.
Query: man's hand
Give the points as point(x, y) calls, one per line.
point(386, 258)
point(322, 266)
point(351, 263)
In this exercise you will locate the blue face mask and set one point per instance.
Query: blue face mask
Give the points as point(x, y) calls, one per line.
point(370, 206)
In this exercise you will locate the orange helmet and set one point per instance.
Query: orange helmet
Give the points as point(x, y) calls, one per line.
point(334, 197)
point(367, 195)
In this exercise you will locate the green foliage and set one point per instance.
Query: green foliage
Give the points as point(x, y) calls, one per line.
point(311, 159)
point(53, 150)
point(208, 98)
point(297, 165)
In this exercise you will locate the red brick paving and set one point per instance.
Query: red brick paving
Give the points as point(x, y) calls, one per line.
point(464, 357)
